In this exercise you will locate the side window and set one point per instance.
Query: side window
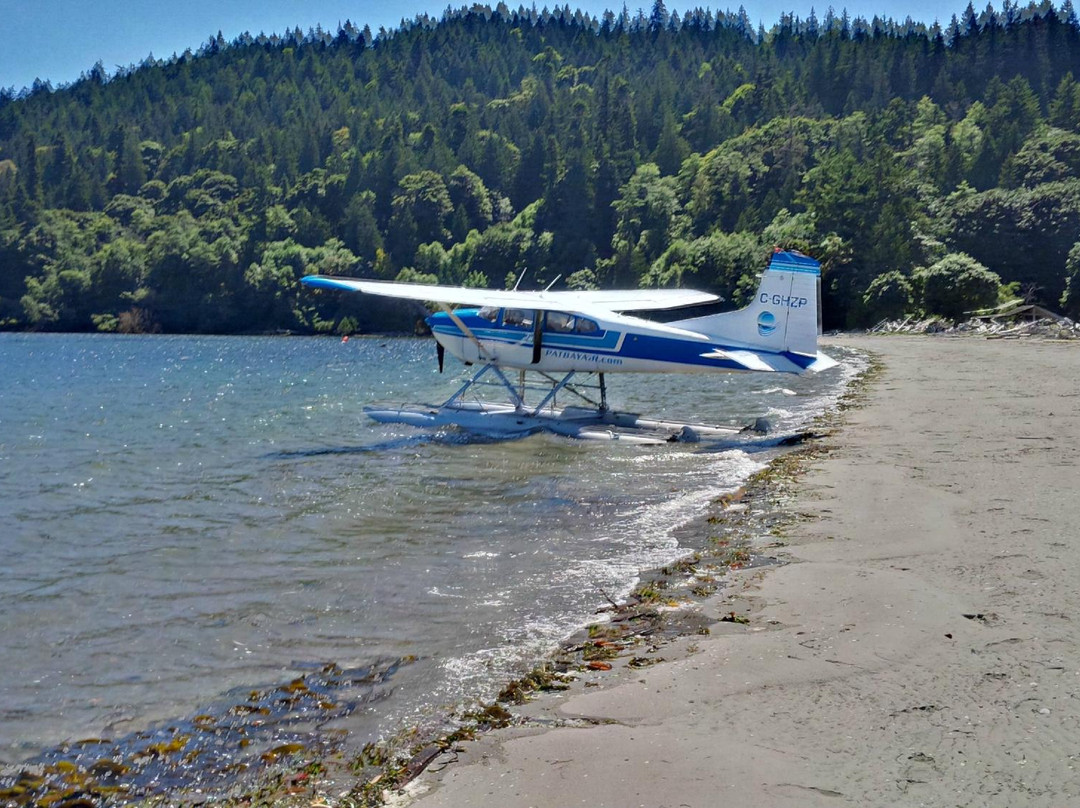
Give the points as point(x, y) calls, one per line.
point(518, 318)
point(490, 313)
point(560, 321)
point(586, 326)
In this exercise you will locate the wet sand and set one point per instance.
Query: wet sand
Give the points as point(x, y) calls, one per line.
point(921, 648)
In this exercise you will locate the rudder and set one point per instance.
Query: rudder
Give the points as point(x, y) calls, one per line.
point(783, 317)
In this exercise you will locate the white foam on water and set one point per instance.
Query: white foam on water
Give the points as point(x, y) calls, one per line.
point(647, 533)
point(437, 592)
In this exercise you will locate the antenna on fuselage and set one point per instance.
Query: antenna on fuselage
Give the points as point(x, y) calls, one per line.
point(522, 275)
point(548, 287)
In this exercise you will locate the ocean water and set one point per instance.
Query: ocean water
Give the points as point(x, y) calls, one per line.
point(185, 519)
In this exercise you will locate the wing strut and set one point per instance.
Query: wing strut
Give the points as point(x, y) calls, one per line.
point(466, 331)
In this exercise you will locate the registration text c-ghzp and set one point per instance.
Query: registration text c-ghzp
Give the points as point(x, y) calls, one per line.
point(783, 301)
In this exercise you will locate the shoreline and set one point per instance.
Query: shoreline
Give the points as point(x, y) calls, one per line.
point(739, 531)
point(101, 771)
point(667, 607)
point(916, 648)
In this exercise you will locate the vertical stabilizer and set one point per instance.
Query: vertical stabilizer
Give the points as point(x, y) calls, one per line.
point(783, 317)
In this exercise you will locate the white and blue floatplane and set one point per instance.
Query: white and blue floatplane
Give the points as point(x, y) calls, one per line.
point(541, 334)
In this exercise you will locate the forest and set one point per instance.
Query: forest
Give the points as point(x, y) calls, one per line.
point(932, 169)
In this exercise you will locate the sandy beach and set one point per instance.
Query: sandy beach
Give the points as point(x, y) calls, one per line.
point(920, 648)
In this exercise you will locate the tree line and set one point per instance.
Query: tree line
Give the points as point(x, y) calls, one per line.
point(930, 169)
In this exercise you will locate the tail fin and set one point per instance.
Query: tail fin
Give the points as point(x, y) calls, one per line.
point(784, 318)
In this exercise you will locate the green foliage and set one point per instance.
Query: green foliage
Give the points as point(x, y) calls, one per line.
point(582, 279)
point(648, 212)
point(1024, 234)
point(420, 208)
point(955, 285)
point(720, 262)
point(1070, 299)
point(889, 296)
point(792, 231)
point(192, 194)
point(409, 275)
point(1052, 155)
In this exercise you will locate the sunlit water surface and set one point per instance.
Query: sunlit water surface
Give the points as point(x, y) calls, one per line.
point(182, 517)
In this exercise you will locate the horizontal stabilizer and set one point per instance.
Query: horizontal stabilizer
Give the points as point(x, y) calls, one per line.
point(822, 362)
point(769, 362)
point(748, 359)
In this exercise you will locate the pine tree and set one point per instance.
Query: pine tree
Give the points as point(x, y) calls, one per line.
point(658, 17)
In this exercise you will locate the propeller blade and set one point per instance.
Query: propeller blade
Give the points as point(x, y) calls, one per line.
point(440, 352)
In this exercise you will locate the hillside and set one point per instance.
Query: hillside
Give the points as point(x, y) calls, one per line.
point(929, 169)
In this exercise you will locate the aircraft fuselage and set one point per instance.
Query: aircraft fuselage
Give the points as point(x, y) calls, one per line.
point(570, 342)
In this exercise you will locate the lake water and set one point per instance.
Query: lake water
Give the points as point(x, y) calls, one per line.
point(187, 518)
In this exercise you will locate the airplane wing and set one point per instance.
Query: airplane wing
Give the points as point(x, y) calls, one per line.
point(634, 299)
point(574, 301)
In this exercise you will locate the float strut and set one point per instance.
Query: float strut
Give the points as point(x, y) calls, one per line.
point(554, 390)
point(519, 403)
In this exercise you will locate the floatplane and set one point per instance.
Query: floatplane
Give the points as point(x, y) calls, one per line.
point(550, 338)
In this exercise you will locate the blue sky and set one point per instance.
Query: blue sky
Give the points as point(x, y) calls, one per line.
point(56, 40)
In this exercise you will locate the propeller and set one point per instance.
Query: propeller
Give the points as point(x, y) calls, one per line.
point(440, 352)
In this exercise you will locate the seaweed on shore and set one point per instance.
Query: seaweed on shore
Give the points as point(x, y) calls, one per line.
point(224, 747)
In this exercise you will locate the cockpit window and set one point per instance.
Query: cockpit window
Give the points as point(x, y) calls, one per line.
point(519, 318)
point(490, 313)
point(560, 322)
point(586, 326)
